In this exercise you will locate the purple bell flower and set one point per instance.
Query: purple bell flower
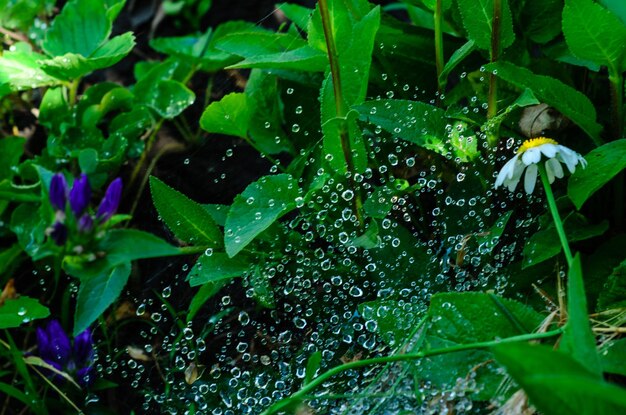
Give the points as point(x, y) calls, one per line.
point(80, 195)
point(55, 349)
point(59, 233)
point(58, 192)
point(110, 201)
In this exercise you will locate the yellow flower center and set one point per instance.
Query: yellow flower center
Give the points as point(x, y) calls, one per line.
point(535, 142)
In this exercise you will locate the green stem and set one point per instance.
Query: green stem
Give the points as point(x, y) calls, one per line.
point(558, 224)
point(340, 105)
point(438, 16)
point(73, 90)
point(492, 99)
point(309, 387)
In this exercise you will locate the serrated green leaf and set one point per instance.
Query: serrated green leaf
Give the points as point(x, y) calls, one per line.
point(613, 357)
point(604, 163)
point(80, 28)
point(257, 208)
point(578, 340)
point(230, 115)
point(570, 102)
point(478, 19)
point(187, 219)
point(394, 321)
point(617, 7)
point(594, 33)
point(15, 312)
point(97, 293)
point(215, 267)
point(613, 294)
point(457, 57)
point(298, 14)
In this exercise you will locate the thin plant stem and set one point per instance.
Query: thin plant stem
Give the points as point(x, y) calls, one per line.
point(319, 380)
point(438, 16)
point(73, 91)
point(492, 99)
point(558, 223)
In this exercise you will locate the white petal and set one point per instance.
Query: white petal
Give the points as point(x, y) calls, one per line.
point(511, 183)
point(530, 179)
point(583, 162)
point(531, 156)
point(549, 150)
point(556, 168)
point(550, 171)
point(506, 172)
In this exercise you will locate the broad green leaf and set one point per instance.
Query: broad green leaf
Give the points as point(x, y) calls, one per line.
point(474, 317)
point(594, 33)
point(557, 384)
point(298, 14)
point(215, 267)
point(578, 340)
point(413, 121)
point(266, 118)
point(97, 293)
point(613, 357)
point(613, 294)
point(11, 150)
point(249, 44)
point(54, 109)
point(488, 241)
point(204, 294)
point(74, 65)
point(545, 244)
point(20, 70)
point(15, 393)
point(20, 14)
point(478, 20)
point(188, 220)
point(17, 193)
point(390, 319)
point(257, 208)
point(301, 59)
point(15, 312)
point(617, 7)
point(231, 115)
point(541, 19)
point(604, 163)
point(570, 102)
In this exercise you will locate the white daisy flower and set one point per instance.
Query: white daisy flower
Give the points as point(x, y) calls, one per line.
point(528, 157)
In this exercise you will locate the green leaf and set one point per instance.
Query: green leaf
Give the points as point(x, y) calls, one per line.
point(557, 384)
point(15, 312)
point(302, 59)
point(20, 70)
point(487, 242)
point(259, 206)
point(298, 14)
point(231, 115)
point(617, 7)
point(478, 19)
point(413, 121)
point(613, 294)
point(578, 339)
point(457, 57)
point(613, 357)
point(312, 367)
point(80, 28)
point(188, 220)
point(97, 293)
point(11, 150)
point(541, 19)
point(570, 102)
point(594, 33)
point(266, 118)
point(604, 163)
point(204, 294)
point(215, 267)
point(545, 244)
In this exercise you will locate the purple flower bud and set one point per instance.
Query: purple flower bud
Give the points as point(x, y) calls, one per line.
point(54, 345)
point(80, 195)
point(110, 201)
point(85, 223)
point(59, 233)
point(58, 192)
point(83, 348)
